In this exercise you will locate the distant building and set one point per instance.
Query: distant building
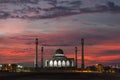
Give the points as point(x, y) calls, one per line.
point(99, 67)
point(59, 60)
point(8, 67)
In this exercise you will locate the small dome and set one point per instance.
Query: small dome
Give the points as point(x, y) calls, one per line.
point(59, 51)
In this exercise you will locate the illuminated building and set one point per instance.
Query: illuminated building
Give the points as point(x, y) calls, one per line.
point(59, 60)
point(99, 67)
point(8, 67)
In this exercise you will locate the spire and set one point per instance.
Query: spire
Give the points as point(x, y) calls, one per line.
point(36, 54)
point(42, 52)
point(76, 56)
point(82, 56)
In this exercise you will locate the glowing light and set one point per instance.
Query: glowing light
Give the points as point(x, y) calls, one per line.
point(9, 64)
point(0, 65)
point(19, 66)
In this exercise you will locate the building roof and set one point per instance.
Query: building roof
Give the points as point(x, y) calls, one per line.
point(59, 51)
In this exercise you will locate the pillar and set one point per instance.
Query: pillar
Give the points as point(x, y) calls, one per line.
point(82, 56)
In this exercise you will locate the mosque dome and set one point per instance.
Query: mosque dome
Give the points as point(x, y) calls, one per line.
point(59, 51)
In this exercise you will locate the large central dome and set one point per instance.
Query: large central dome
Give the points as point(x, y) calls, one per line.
point(59, 51)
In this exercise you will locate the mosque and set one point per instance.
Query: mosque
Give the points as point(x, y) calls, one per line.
point(59, 60)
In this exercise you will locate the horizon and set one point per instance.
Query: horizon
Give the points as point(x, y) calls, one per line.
point(60, 24)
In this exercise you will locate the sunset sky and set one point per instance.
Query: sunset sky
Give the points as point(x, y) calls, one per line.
point(60, 24)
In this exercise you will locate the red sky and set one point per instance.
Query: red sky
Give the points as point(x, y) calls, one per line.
point(101, 39)
point(99, 29)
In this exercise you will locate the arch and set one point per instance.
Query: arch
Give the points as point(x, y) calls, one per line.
point(59, 63)
point(46, 63)
point(51, 63)
point(55, 63)
point(68, 63)
point(72, 63)
point(63, 63)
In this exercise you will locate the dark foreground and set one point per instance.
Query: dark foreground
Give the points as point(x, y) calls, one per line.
point(58, 76)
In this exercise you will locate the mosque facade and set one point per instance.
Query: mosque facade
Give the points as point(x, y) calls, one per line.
point(59, 60)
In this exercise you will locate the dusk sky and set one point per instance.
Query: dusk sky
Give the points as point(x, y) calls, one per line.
point(60, 24)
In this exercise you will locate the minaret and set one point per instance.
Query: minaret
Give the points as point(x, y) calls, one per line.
point(76, 56)
point(42, 52)
point(36, 55)
point(82, 56)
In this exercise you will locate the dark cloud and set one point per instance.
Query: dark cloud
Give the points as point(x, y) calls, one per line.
point(76, 4)
point(73, 8)
point(110, 62)
point(110, 52)
point(102, 36)
point(4, 15)
point(19, 1)
point(62, 2)
point(95, 37)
